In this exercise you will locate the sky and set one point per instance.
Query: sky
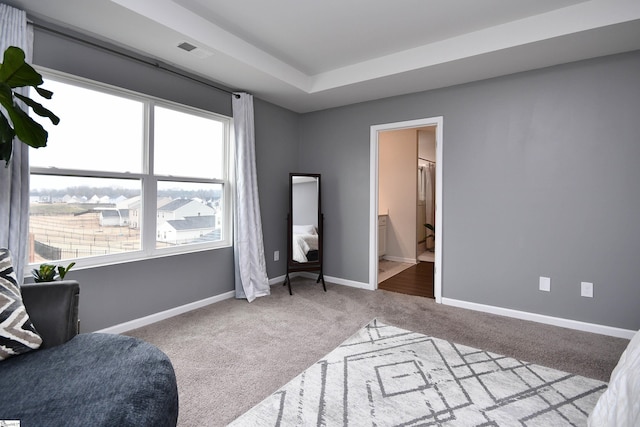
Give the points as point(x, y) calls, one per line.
point(104, 132)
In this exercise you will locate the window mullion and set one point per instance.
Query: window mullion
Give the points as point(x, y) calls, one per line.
point(149, 184)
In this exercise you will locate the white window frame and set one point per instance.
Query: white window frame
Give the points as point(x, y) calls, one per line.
point(148, 179)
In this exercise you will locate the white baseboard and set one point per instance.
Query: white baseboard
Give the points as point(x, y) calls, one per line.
point(277, 280)
point(400, 259)
point(156, 317)
point(336, 280)
point(153, 318)
point(351, 283)
point(541, 318)
point(280, 279)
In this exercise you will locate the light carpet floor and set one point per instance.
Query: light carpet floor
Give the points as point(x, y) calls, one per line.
point(230, 355)
point(387, 376)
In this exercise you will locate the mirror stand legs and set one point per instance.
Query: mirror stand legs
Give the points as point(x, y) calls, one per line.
point(321, 277)
point(287, 282)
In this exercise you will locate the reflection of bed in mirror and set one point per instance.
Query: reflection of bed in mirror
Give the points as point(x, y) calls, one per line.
point(304, 243)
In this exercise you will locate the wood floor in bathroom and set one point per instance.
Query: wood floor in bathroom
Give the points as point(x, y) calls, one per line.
point(416, 280)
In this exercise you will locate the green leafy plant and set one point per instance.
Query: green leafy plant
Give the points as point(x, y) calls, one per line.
point(16, 73)
point(47, 272)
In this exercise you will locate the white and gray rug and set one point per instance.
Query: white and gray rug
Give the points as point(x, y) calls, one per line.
point(387, 376)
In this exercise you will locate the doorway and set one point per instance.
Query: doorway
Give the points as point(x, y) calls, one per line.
point(377, 237)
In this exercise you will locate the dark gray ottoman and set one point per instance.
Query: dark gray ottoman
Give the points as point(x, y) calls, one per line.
point(91, 380)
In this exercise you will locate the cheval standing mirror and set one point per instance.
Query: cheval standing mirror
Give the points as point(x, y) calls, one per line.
point(304, 227)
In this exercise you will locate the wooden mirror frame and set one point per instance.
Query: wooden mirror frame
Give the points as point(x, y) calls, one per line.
point(314, 265)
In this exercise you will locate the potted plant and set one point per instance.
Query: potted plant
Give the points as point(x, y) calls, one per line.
point(16, 73)
point(47, 272)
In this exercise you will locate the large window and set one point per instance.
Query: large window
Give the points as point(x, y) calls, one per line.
point(126, 176)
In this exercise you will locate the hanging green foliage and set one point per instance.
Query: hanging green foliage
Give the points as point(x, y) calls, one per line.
point(16, 73)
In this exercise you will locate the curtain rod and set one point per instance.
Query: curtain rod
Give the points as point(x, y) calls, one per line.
point(427, 160)
point(156, 64)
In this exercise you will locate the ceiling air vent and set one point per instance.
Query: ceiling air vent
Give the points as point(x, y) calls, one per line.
point(195, 50)
point(187, 46)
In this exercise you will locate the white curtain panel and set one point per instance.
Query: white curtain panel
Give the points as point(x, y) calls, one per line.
point(14, 179)
point(421, 182)
point(248, 247)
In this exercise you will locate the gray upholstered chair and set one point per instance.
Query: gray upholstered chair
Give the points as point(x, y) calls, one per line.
point(92, 379)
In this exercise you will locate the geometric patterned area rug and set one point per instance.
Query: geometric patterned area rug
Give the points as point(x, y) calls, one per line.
point(387, 376)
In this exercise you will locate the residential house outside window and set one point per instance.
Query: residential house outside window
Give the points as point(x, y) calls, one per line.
point(126, 176)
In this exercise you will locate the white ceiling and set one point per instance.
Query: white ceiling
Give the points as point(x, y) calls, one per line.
point(310, 55)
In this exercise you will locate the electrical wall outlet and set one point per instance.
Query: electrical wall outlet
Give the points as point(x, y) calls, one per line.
point(545, 284)
point(276, 255)
point(586, 289)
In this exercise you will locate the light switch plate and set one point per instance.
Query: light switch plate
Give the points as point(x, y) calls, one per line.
point(545, 284)
point(586, 289)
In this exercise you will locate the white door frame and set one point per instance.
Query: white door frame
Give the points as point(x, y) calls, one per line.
point(373, 210)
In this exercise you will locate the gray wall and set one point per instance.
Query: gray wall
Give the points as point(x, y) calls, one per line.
point(58, 52)
point(540, 166)
point(119, 293)
point(541, 178)
point(276, 155)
